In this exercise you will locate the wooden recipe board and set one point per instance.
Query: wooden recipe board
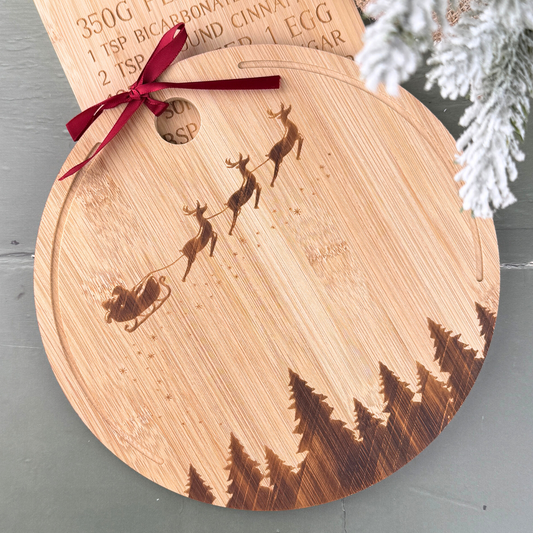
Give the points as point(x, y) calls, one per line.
point(280, 305)
point(103, 45)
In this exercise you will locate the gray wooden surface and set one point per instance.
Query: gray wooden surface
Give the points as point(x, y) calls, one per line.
point(56, 477)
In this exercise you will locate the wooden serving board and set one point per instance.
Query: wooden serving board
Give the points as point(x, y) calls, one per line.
point(321, 345)
point(104, 44)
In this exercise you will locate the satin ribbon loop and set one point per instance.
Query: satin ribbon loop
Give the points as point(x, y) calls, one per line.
point(162, 57)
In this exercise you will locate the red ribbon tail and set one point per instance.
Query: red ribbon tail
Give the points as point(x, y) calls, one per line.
point(82, 122)
point(121, 122)
point(237, 84)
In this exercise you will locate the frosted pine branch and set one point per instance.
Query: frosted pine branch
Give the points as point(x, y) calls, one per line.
point(488, 57)
point(395, 44)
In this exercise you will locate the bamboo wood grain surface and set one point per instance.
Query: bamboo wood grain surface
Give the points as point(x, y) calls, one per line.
point(320, 336)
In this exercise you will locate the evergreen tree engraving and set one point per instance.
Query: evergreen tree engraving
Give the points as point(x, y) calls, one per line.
point(436, 407)
point(371, 433)
point(336, 463)
point(284, 483)
point(403, 414)
point(330, 469)
point(487, 321)
point(197, 489)
point(456, 358)
point(245, 479)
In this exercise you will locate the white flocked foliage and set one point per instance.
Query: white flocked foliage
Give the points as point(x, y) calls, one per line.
point(488, 57)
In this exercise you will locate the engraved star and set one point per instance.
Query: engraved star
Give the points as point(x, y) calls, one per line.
point(242, 239)
point(151, 356)
point(297, 211)
point(153, 337)
point(168, 397)
point(122, 370)
point(199, 306)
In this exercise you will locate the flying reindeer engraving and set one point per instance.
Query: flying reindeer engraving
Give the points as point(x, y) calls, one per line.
point(200, 240)
point(145, 298)
point(286, 144)
point(137, 304)
point(141, 302)
point(249, 185)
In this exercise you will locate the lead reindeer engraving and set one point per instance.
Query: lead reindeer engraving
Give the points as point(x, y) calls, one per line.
point(249, 185)
point(286, 144)
point(200, 240)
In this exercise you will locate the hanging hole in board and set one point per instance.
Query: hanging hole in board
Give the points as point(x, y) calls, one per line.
point(180, 122)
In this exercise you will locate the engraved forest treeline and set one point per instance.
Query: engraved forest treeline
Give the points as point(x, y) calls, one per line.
point(340, 461)
point(139, 303)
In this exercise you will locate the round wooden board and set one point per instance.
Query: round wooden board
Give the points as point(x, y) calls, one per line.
point(317, 350)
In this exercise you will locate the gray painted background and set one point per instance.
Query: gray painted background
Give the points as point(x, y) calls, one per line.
point(56, 477)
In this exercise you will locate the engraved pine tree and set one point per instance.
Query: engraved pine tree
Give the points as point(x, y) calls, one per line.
point(456, 358)
point(487, 321)
point(329, 471)
point(371, 434)
point(245, 479)
point(402, 419)
point(436, 406)
point(284, 483)
point(197, 489)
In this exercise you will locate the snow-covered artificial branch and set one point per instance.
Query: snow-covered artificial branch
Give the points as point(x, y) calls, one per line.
point(488, 57)
point(396, 42)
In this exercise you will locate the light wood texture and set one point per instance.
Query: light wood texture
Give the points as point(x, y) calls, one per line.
point(357, 270)
point(103, 44)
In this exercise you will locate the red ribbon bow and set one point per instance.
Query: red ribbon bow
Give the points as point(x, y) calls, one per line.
point(165, 53)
